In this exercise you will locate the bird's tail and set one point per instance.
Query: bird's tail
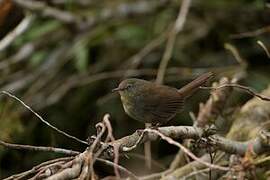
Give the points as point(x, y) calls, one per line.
point(191, 87)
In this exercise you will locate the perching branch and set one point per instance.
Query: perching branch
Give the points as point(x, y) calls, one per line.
point(187, 132)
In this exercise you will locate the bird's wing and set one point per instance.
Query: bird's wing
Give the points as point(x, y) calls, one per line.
point(163, 103)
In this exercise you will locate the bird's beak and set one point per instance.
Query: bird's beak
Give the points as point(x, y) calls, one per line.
point(116, 89)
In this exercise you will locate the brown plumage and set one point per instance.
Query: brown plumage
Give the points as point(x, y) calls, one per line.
point(149, 102)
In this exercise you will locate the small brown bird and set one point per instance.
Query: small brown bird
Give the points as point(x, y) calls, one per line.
point(149, 102)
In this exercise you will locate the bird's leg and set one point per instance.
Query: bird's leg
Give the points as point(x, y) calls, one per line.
point(147, 150)
point(210, 130)
point(155, 126)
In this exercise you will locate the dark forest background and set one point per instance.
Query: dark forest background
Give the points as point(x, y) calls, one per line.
point(65, 67)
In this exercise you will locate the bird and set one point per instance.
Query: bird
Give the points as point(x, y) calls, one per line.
point(149, 102)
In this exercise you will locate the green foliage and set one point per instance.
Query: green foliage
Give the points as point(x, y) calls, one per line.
point(36, 31)
point(38, 58)
point(133, 36)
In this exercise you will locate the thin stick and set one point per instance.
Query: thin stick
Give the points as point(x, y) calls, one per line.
point(42, 120)
point(179, 24)
point(36, 168)
point(136, 59)
point(260, 43)
point(91, 154)
point(43, 9)
point(254, 33)
point(147, 150)
point(106, 120)
point(21, 28)
point(187, 151)
point(38, 148)
point(245, 88)
point(235, 53)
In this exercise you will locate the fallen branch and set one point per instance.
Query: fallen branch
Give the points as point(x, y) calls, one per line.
point(259, 144)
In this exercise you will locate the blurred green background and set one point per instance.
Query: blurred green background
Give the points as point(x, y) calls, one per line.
point(65, 71)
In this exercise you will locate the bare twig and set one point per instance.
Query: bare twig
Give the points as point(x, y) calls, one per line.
point(25, 51)
point(254, 33)
point(122, 11)
point(91, 154)
point(41, 119)
point(135, 60)
point(57, 58)
point(35, 169)
point(245, 88)
point(187, 151)
point(111, 137)
point(236, 54)
point(71, 172)
point(261, 44)
point(41, 7)
point(179, 24)
point(147, 149)
point(214, 105)
point(21, 28)
point(38, 148)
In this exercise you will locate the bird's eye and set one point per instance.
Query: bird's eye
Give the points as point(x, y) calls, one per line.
point(128, 86)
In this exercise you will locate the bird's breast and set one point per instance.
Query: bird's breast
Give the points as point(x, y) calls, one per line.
point(133, 108)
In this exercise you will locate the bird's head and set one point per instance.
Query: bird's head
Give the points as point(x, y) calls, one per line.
point(130, 87)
